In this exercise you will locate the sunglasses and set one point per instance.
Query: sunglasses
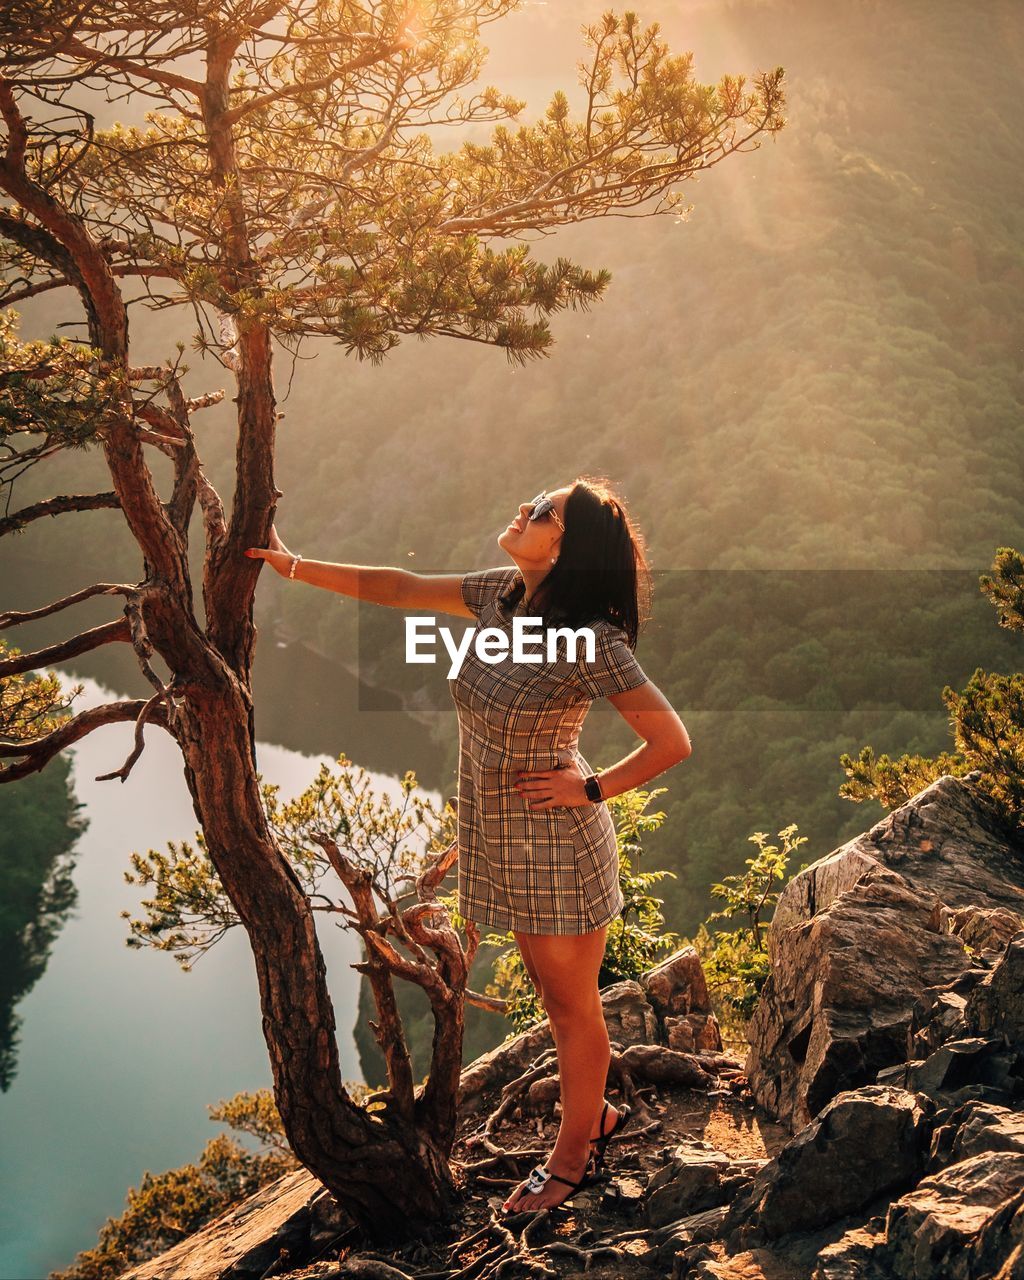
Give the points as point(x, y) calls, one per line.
point(542, 506)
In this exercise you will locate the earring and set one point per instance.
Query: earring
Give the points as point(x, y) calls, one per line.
point(553, 559)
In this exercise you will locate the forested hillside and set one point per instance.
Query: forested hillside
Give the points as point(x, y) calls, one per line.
point(820, 368)
point(37, 837)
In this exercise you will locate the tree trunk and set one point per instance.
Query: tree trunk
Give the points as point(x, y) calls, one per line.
point(392, 1176)
point(388, 1169)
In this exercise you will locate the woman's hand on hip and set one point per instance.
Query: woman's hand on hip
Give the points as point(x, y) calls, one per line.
point(552, 788)
point(276, 555)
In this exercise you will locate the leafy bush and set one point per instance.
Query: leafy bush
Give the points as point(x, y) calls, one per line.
point(736, 962)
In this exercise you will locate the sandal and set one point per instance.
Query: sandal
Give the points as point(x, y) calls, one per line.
point(540, 1176)
point(621, 1120)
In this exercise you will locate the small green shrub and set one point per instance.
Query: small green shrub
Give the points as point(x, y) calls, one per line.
point(736, 962)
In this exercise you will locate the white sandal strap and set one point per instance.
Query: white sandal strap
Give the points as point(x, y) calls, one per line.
point(538, 1177)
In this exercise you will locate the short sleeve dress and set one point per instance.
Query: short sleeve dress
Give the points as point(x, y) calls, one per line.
point(553, 870)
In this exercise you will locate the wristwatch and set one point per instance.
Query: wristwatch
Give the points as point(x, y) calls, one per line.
point(593, 788)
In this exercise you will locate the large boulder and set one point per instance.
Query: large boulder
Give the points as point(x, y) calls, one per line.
point(962, 1223)
point(861, 934)
point(862, 1194)
point(865, 1143)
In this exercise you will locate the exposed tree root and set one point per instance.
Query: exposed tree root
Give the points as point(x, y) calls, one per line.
point(520, 1245)
point(650, 1064)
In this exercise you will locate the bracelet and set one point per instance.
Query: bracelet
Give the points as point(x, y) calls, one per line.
point(295, 561)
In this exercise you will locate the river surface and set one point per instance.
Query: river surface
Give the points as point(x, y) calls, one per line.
point(120, 1051)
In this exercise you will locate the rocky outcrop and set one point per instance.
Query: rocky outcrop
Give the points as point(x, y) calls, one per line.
point(677, 991)
point(903, 945)
point(996, 1002)
point(860, 936)
point(889, 1038)
point(669, 1006)
point(962, 1219)
point(695, 1177)
point(864, 1144)
point(630, 1020)
point(294, 1215)
point(884, 1184)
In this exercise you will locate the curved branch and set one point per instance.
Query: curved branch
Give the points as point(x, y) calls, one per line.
point(290, 90)
point(33, 290)
point(83, 643)
point(98, 589)
point(491, 1003)
point(39, 751)
point(143, 647)
point(56, 506)
point(42, 245)
point(136, 751)
point(72, 47)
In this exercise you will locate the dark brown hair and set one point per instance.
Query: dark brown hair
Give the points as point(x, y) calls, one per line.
point(602, 569)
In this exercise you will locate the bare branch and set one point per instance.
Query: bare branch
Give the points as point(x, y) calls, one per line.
point(389, 1031)
point(154, 437)
point(32, 291)
point(39, 751)
point(136, 751)
point(176, 431)
point(144, 649)
point(421, 974)
point(56, 506)
point(194, 403)
point(291, 90)
point(72, 47)
point(169, 431)
point(99, 588)
point(491, 1003)
point(84, 643)
point(186, 464)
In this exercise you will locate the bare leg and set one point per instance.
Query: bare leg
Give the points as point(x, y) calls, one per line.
point(523, 942)
point(567, 966)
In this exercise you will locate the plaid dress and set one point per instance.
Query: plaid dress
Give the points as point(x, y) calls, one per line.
point(553, 870)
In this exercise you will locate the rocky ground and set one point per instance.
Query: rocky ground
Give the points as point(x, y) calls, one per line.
point(604, 1229)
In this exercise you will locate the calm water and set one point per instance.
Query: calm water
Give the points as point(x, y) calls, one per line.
point(120, 1051)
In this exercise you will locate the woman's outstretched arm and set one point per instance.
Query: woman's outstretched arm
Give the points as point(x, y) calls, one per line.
point(397, 588)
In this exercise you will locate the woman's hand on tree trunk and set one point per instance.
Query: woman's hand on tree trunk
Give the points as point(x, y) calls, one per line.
point(276, 555)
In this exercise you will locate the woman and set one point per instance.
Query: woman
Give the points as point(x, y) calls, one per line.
point(537, 848)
